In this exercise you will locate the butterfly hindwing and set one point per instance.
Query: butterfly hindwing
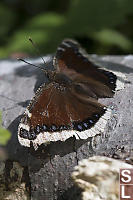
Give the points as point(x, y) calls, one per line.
point(59, 109)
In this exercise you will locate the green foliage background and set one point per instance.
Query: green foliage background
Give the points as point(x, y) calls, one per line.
point(102, 26)
point(4, 134)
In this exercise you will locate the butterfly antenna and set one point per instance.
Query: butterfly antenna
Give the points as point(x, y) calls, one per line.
point(20, 59)
point(37, 50)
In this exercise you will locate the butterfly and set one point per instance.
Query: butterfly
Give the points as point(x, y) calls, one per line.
point(68, 104)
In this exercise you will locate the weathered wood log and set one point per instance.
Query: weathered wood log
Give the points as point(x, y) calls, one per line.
point(99, 177)
point(47, 171)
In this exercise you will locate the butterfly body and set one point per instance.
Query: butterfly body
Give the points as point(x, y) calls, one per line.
point(67, 106)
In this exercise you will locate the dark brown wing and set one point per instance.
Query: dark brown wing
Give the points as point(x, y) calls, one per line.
point(72, 60)
point(57, 108)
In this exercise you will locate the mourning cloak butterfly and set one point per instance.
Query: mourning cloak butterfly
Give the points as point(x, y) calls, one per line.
point(68, 105)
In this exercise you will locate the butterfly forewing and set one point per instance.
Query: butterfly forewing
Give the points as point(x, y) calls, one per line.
point(71, 58)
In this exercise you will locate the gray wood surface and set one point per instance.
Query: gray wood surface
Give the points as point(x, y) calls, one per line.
point(48, 171)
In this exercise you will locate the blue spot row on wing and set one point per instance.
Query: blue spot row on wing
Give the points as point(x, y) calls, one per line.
point(79, 126)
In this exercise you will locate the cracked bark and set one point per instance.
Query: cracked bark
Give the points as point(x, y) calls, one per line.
point(51, 166)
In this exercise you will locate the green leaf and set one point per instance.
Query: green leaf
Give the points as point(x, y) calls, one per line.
point(0, 119)
point(4, 136)
point(112, 37)
point(46, 21)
